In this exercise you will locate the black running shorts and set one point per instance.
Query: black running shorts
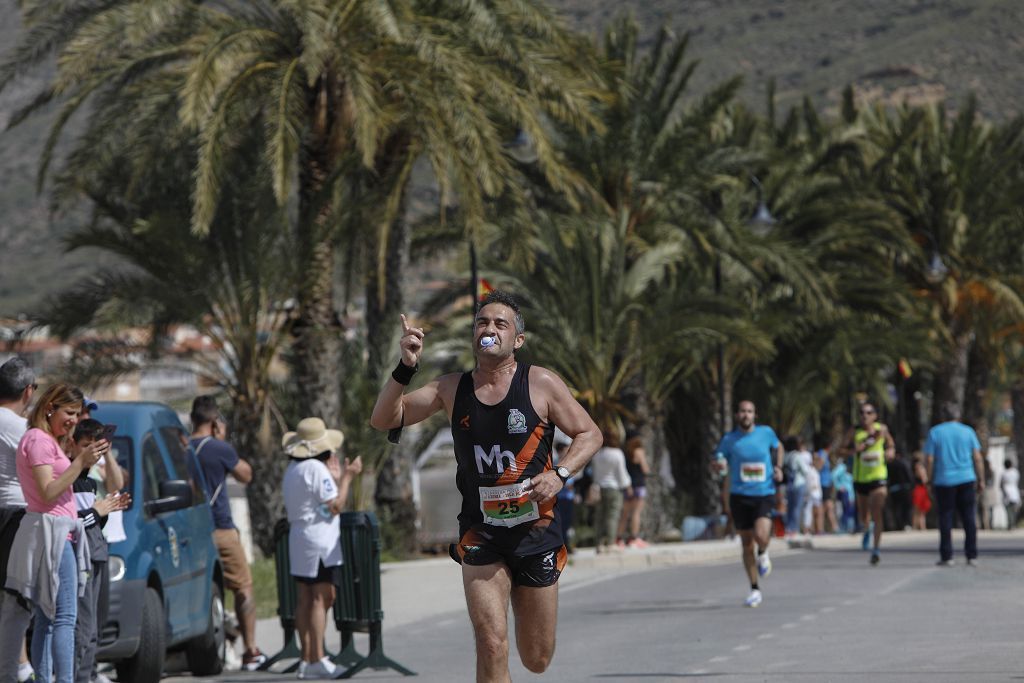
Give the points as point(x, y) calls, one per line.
point(533, 571)
point(864, 488)
point(748, 509)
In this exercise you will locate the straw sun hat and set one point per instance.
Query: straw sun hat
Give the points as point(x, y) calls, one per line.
point(311, 437)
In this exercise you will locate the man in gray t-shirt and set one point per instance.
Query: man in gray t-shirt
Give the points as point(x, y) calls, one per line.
point(17, 385)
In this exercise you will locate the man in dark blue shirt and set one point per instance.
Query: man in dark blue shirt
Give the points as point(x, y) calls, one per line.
point(218, 458)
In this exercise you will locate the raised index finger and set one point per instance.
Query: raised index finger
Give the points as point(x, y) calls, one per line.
point(405, 324)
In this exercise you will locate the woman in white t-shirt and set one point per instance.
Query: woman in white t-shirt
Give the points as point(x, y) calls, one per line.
point(316, 488)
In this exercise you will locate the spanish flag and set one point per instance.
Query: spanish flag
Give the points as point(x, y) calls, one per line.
point(904, 368)
point(483, 288)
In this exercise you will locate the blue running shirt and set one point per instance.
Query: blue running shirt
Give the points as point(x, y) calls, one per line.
point(751, 458)
point(952, 445)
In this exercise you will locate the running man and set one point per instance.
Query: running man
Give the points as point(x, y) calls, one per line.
point(871, 446)
point(503, 416)
point(753, 456)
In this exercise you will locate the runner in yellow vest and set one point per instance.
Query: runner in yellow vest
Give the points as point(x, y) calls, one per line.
point(871, 446)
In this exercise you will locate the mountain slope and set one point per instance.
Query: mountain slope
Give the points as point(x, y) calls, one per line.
point(893, 49)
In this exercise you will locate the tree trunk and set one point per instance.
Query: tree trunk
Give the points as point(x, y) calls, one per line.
point(317, 330)
point(659, 513)
point(384, 297)
point(384, 302)
point(692, 435)
point(253, 438)
point(1017, 403)
point(951, 375)
point(395, 506)
point(976, 396)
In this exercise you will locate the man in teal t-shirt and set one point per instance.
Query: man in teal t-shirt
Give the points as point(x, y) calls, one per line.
point(955, 469)
point(753, 457)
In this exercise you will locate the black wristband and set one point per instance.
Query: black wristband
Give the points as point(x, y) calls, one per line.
point(403, 373)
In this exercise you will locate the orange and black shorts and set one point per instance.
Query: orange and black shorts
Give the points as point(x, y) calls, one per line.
point(534, 570)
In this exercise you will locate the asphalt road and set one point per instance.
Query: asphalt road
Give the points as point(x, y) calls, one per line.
point(827, 616)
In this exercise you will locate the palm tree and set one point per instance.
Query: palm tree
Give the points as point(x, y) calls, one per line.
point(230, 284)
point(950, 182)
point(345, 97)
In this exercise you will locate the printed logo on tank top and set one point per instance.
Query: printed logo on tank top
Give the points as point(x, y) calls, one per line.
point(496, 460)
point(516, 422)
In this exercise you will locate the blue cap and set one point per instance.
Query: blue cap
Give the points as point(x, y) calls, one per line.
point(90, 404)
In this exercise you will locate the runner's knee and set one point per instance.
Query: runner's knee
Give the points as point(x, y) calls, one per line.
point(537, 662)
point(490, 645)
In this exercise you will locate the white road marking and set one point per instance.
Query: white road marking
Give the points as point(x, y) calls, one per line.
point(809, 617)
point(741, 648)
point(904, 581)
point(826, 610)
point(790, 625)
point(766, 636)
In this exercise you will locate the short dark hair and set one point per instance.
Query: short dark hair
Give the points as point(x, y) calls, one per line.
point(498, 296)
point(204, 411)
point(1007, 464)
point(950, 411)
point(88, 428)
point(15, 375)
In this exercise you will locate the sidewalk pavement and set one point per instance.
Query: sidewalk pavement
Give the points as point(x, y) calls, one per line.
point(417, 590)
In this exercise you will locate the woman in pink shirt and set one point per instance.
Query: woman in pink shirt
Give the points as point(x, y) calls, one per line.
point(46, 475)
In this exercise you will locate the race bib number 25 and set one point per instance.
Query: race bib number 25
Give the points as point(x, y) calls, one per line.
point(507, 505)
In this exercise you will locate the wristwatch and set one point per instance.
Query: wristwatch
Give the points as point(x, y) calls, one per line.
point(563, 474)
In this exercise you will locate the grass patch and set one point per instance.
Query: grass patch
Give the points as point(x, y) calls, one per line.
point(264, 581)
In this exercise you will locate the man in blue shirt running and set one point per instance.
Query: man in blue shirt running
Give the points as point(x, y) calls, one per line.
point(955, 469)
point(753, 457)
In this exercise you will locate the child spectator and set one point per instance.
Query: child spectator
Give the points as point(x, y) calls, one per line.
point(1009, 482)
point(921, 499)
point(93, 513)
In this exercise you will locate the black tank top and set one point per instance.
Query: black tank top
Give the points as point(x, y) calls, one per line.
point(498, 447)
point(636, 474)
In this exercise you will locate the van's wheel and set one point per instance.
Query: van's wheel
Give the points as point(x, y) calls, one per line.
point(147, 665)
point(205, 653)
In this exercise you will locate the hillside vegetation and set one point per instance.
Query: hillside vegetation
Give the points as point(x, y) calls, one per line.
point(914, 50)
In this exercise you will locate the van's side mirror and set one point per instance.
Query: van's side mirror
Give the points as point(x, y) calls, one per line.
point(175, 494)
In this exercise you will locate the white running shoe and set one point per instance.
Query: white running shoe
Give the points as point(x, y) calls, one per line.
point(325, 668)
point(754, 599)
point(764, 564)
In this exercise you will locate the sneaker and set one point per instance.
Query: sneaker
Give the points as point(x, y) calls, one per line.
point(945, 563)
point(754, 599)
point(865, 540)
point(26, 673)
point(764, 564)
point(638, 543)
point(322, 669)
point(972, 562)
point(620, 544)
point(875, 557)
point(253, 661)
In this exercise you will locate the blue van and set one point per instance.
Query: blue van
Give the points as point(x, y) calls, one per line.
point(166, 584)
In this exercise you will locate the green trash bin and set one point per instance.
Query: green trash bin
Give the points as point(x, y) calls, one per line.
point(357, 605)
point(287, 599)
